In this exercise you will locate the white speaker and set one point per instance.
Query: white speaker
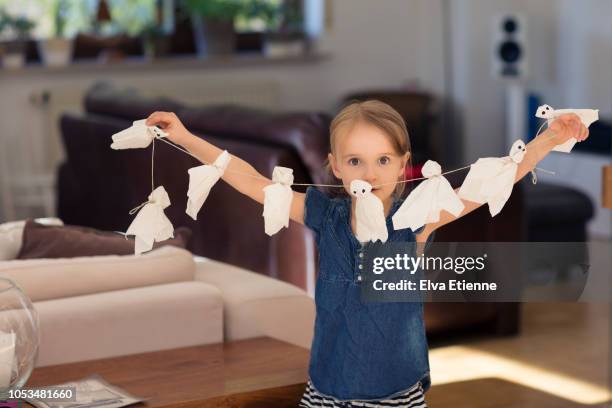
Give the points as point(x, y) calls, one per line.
point(509, 47)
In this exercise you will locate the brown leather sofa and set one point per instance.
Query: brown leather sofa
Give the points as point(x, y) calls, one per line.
point(97, 187)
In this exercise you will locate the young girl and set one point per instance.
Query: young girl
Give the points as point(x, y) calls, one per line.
point(363, 354)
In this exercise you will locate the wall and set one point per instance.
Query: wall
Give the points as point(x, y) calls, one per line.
point(585, 54)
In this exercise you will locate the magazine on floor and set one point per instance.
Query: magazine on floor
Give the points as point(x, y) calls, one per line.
point(92, 391)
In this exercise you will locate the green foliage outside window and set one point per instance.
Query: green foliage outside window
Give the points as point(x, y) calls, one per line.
point(69, 17)
point(247, 15)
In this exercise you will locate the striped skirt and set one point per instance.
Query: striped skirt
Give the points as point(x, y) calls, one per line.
point(413, 398)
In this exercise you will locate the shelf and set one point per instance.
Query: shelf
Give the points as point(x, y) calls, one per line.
point(163, 64)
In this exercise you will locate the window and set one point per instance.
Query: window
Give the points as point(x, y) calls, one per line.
point(272, 16)
point(128, 16)
point(258, 21)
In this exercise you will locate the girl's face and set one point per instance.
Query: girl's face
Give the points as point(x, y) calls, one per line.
point(365, 152)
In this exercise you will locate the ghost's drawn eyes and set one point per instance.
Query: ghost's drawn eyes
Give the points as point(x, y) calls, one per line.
point(354, 192)
point(548, 108)
point(543, 112)
point(363, 190)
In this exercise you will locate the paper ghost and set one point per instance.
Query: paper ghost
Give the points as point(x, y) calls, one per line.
point(137, 136)
point(369, 213)
point(151, 224)
point(491, 179)
point(425, 202)
point(277, 200)
point(201, 181)
point(587, 116)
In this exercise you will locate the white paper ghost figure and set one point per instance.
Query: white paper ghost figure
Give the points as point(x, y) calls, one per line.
point(491, 179)
point(587, 116)
point(201, 181)
point(151, 224)
point(370, 223)
point(277, 200)
point(137, 136)
point(425, 202)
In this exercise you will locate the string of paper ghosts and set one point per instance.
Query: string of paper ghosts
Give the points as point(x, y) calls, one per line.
point(490, 180)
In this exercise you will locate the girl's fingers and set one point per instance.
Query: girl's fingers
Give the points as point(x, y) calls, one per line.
point(574, 121)
point(151, 120)
point(585, 133)
point(156, 118)
point(569, 117)
point(576, 127)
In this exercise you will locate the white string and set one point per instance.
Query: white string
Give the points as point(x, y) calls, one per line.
point(534, 176)
point(133, 210)
point(152, 165)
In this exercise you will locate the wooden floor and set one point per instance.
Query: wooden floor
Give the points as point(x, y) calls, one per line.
point(560, 359)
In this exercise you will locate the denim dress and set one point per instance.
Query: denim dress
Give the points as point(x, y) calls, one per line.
point(360, 351)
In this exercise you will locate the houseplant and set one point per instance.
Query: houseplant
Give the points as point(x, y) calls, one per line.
point(213, 21)
point(14, 49)
point(57, 50)
point(287, 37)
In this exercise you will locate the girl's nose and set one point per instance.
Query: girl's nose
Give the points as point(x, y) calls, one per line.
point(370, 175)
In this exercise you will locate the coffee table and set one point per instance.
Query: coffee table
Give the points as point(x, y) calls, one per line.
point(259, 372)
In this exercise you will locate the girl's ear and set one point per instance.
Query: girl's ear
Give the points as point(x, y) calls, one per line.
point(332, 162)
point(405, 158)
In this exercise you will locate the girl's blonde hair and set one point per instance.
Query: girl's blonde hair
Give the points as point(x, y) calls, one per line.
point(378, 114)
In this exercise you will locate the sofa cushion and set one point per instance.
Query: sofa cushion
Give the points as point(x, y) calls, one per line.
point(43, 279)
point(44, 241)
point(549, 203)
point(104, 98)
point(11, 236)
point(129, 321)
point(257, 305)
point(305, 133)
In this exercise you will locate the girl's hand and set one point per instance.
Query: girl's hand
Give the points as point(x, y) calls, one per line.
point(171, 124)
point(567, 126)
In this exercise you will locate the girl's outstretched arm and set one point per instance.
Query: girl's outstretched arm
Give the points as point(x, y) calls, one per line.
point(561, 130)
point(249, 182)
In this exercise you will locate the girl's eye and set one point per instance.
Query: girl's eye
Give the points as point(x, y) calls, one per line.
point(354, 161)
point(384, 160)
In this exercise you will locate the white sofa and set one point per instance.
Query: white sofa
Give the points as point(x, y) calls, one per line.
point(103, 306)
